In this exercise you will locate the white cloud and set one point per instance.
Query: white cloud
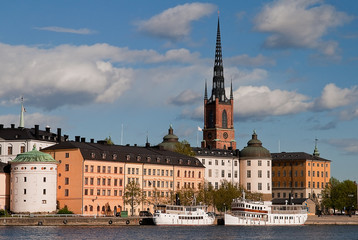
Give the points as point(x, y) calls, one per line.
point(334, 97)
point(83, 31)
point(300, 24)
point(174, 23)
point(76, 75)
point(186, 97)
point(346, 145)
point(262, 101)
point(32, 119)
point(246, 60)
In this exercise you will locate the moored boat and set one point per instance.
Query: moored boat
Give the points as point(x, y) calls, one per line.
point(182, 215)
point(246, 212)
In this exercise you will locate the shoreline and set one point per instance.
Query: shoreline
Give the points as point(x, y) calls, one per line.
point(138, 221)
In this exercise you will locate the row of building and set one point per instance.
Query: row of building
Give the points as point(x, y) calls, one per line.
point(91, 177)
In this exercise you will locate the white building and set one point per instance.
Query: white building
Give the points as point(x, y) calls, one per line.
point(19, 140)
point(255, 168)
point(33, 183)
point(220, 165)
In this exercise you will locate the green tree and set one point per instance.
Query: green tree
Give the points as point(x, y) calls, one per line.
point(225, 194)
point(186, 196)
point(64, 210)
point(183, 147)
point(205, 194)
point(133, 195)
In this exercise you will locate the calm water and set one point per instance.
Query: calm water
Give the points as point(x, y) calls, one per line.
point(158, 233)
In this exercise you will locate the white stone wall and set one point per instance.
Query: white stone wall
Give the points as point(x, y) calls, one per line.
point(250, 171)
point(33, 187)
point(219, 168)
point(16, 147)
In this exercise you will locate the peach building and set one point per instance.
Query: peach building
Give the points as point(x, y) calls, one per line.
point(92, 177)
point(300, 174)
point(4, 186)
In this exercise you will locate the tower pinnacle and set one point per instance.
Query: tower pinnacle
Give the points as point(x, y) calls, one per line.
point(22, 121)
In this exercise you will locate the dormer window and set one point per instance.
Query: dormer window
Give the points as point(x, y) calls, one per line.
point(148, 159)
point(158, 160)
point(167, 160)
point(138, 158)
point(114, 156)
point(103, 156)
point(128, 157)
point(180, 161)
point(189, 162)
point(93, 155)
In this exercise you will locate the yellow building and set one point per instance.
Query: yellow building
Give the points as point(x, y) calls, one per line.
point(300, 174)
point(92, 177)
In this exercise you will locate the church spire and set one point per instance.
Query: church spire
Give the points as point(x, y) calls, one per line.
point(316, 152)
point(206, 91)
point(231, 95)
point(218, 90)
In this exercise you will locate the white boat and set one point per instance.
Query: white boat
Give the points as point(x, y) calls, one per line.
point(182, 215)
point(245, 212)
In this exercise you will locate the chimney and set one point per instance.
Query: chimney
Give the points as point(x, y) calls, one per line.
point(36, 131)
point(1, 126)
point(65, 137)
point(48, 129)
point(77, 138)
point(83, 139)
point(147, 145)
point(59, 135)
point(92, 140)
point(12, 126)
point(135, 144)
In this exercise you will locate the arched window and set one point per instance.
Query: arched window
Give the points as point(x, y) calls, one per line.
point(224, 119)
point(211, 120)
point(178, 173)
point(86, 208)
point(185, 174)
point(91, 208)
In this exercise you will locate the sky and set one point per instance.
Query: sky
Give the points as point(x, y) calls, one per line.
point(129, 69)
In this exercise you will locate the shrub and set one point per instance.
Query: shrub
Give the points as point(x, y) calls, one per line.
point(64, 210)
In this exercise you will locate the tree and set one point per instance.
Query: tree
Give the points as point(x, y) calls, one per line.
point(205, 194)
point(225, 194)
point(133, 195)
point(64, 210)
point(186, 196)
point(339, 195)
point(183, 147)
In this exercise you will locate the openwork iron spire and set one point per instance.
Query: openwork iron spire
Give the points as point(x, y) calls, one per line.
point(218, 90)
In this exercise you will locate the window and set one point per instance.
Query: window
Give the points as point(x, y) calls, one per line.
point(67, 181)
point(309, 173)
point(259, 186)
point(301, 173)
point(44, 179)
point(259, 163)
point(120, 182)
point(248, 174)
point(103, 181)
point(171, 173)
point(86, 191)
point(296, 173)
point(92, 168)
point(216, 185)
point(120, 170)
point(278, 195)
point(222, 173)
point(278, 174)
point(248, 163)
point(98, 169)
point(67, 167)
point(313, 184)
point(222, 162)
point(224, 119)
point(67, 193)
point(108, 182)
point(259, 173)
point(22, 149)
point(109, 169)
point(86, 181)
point(210, 173)
point(216, 162)
point(44, 191)
point(235, 163)
point(284, 195)
point(98, 192)
point(178, 173)
point(268, 174)
point(284, 173)
point(104, 169)
point(301, 184)
point(210, 162)
point(98, 181)
point(67, 155)
point(249, 186)
point(268, 163)
point(91, 181)
point(144, 171)
point(268, 186)
point(235, 174)
point(9, 150)
point(309, 184)
point(115, 169)
point(312, 173)
point(25, 191)
point(86, 168)
point(203, 161)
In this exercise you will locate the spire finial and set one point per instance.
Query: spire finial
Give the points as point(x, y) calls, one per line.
point(206, 91)
point(316, 152)
point(22, 121)
point(231, 94)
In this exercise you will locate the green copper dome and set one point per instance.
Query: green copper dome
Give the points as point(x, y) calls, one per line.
point(169, 140)
point(254, 149)
point(33, 156)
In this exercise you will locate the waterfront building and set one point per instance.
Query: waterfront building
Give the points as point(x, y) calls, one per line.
point(92, 177)
point(33, 183)
point(4, 186)
point(218, 132)
point(14, 141)
point(255, 168)
point(220, 165)
point(300, 175)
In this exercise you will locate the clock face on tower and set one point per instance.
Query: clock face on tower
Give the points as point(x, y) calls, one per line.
point(225, 135)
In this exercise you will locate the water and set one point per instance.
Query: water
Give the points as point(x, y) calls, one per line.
point(316, 232)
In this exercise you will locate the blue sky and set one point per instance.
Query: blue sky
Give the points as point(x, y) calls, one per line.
point(90, 67)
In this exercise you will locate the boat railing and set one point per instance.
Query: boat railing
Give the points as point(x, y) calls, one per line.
point(288, 209)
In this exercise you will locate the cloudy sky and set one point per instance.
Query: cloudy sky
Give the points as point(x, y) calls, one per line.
point(91, 67)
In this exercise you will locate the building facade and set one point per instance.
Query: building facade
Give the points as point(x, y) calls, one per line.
point(218, 132)
point(92, 177)
point(220, 165)
point(299, 174)
point(4, 186)
point(14, 141)
point(255, 168)
point(33, 183)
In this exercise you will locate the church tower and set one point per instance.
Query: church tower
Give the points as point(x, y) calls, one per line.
point(218, 129)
